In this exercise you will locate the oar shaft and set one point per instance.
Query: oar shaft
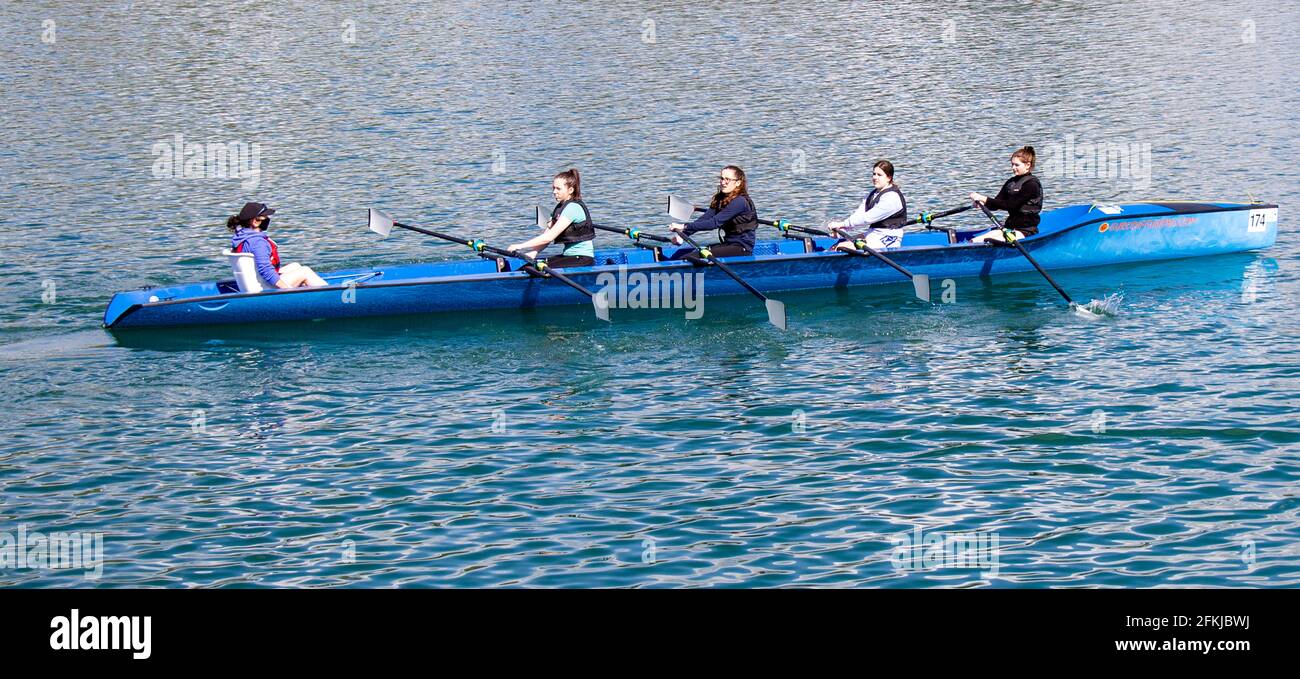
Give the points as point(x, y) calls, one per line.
point(927, 217)
point(775, 308)
point(769, 222)
point(875, 253)
point(634, 234)
point(1025, 252)
point(1016, 244)
point(435, 234)
point(791, 227)
point(561, 278)
point(725, 269)
point(478, 245)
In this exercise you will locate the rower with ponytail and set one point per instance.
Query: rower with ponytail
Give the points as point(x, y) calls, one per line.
point(249, 228)
point(570, 226)
point(1021, 196)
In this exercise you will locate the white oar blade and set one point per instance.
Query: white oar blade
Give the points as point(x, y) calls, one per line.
point(380, 223)
point(1084, 312)
point(921, 283)
point(543, 221)
point(600, 301)
point(679, 209)
point(776, 313)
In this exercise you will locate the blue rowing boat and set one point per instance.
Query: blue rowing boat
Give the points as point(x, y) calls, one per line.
point(1068, 237)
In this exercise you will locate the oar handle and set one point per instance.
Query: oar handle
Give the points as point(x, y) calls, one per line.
point(989, 213)
point(704, 252)
point(691, 241)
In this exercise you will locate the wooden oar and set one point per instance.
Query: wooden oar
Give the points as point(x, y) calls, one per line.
point(920, 281)
point(382, 224)
point(681, 211)
point(1012, 241)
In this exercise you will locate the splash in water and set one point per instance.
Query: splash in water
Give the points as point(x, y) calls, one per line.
point(1102, 308)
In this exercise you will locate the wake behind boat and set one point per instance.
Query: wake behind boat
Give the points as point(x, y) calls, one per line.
point(1069, 237)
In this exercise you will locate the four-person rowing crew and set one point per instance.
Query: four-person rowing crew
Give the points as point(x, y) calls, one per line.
point(876, 224)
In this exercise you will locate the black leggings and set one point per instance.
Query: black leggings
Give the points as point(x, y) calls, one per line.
point(562, 261)
point(718, 250)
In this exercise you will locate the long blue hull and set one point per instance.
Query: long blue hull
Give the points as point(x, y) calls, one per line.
point(1070, 237)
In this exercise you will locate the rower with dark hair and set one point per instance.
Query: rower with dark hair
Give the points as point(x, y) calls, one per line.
point(1021, 196)
point(882, 212)
point(570, 226)
point(249, 228)
point(731, 211)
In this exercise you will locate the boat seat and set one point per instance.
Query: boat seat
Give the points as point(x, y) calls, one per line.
point(241, 265)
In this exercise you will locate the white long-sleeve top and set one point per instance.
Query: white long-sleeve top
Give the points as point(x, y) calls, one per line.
point(887, 205)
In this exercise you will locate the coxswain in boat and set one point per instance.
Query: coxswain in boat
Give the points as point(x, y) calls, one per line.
point(731, 213)
point(570, 226)
point(1021, 196)
point(882, 212)
point(250, 227)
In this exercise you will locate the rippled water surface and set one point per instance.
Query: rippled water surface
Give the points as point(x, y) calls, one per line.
point(1156, 448)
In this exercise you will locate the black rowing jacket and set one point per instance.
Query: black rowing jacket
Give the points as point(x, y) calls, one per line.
point(738, 220)
point(1022, 198)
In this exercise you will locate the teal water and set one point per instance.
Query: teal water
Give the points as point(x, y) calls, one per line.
point(1156, 448)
